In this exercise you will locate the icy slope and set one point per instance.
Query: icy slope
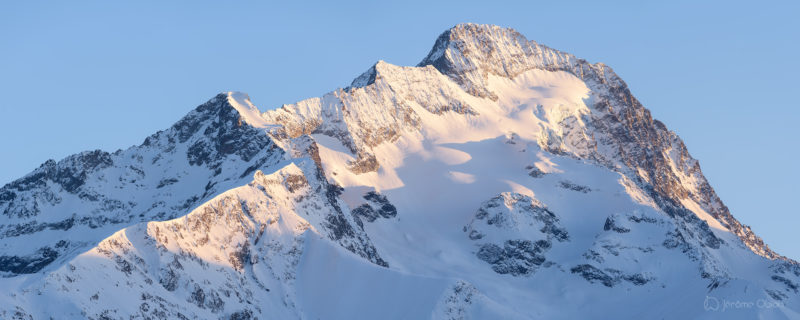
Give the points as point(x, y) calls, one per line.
point(497, 179)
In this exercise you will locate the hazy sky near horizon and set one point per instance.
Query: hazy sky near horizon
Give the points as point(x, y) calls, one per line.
point(106, 74)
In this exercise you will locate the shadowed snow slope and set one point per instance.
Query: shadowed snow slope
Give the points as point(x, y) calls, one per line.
point(499, 178)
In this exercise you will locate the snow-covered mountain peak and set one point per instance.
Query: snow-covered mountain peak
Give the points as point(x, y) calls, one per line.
point(468, 42)
point(468, 53)
point(499, 178)
point(369, 76)
point(500, 70)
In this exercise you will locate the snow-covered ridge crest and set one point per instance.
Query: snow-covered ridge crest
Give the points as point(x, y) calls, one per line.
point(470, 52)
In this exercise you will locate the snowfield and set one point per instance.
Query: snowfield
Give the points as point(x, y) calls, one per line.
point(498, 179)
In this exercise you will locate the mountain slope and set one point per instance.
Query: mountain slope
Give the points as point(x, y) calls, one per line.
point(65, 207)
point(499, 178)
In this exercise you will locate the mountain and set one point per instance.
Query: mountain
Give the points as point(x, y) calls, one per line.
point(499, 178)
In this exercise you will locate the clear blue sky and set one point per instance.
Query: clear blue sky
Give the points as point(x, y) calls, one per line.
point(105, 74)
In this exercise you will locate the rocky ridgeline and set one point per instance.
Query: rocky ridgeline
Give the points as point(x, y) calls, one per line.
point(65, 207)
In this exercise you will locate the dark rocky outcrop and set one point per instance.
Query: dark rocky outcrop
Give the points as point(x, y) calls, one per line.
point(516, 257)
point(608, 277)
point(574, 187)
point(377, 206)
point(611, 225)
point(505, 216)
point(30, 263)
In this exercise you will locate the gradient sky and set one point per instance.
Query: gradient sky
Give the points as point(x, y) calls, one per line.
point(106, 74)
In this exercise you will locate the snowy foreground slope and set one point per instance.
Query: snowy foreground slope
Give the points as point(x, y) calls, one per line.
point(498, 179)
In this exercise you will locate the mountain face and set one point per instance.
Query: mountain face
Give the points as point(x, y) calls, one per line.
point(499, 178)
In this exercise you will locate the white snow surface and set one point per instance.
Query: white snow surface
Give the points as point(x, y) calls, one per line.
point(509, 203)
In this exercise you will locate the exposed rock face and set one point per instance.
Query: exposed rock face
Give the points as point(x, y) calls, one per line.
point(516, 257)
point(608, 277)
point(377, 206)
point(371, 201)
point(225, 135)
point(69, 174)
